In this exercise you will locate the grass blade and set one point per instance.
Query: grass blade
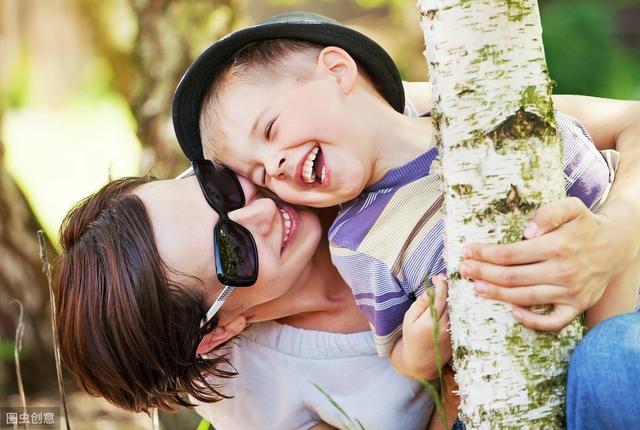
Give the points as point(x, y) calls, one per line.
point(17, 347)
point(46, 268)
point(339, 408)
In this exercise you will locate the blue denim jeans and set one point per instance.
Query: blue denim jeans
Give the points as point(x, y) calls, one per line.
point(458, 425)
point(603, 389)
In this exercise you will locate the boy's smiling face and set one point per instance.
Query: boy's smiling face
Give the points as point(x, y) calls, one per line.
point(302, 139)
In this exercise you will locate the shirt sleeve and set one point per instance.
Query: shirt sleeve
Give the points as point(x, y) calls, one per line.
point(586, 172)
point(379, 294)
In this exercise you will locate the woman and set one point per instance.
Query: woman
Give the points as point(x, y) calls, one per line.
point(130, 329)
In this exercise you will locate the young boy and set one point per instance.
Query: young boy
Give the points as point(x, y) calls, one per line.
point(313, 111)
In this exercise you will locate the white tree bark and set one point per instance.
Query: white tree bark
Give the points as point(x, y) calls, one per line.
point(501, 159)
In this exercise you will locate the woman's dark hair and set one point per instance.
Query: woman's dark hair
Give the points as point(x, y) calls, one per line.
point(126, 331)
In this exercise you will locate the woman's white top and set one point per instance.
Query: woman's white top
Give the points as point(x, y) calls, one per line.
point(278, 366)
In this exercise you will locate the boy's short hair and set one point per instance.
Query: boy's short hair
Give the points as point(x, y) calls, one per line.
point(301, 26)
point(126, 331)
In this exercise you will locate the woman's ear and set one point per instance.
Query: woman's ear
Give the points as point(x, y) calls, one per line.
point(221, 334)
point(340, 66)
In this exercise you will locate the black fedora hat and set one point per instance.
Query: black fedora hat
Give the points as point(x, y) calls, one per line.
point(195, 83)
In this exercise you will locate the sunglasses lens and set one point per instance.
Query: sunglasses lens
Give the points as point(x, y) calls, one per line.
point(236, 255)
point(221, 186)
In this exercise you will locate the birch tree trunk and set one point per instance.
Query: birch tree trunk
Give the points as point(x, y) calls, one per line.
point(501, 159)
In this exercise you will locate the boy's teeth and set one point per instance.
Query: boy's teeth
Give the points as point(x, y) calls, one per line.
point(323, 175)
point(308, 175)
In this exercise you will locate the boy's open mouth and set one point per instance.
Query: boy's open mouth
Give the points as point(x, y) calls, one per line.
point(313, 169)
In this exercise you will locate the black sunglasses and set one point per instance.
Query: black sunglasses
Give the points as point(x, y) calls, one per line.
point(236, 255)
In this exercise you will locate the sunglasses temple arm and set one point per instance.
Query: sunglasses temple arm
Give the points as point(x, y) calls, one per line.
point(217, 303)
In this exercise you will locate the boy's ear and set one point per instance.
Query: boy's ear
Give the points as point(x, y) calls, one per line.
point(221, 334)
point(340, 65)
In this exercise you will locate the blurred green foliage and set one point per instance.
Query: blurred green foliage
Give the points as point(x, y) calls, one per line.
point(17, 94)
point(6, 350)
point(584, 53)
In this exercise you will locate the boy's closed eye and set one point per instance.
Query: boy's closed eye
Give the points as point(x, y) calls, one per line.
point(258, 176)
point(263, 178)
point(268, 128)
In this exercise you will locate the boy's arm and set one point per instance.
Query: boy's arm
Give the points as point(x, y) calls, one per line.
point(604, 119)
point(414, 355)
point(419, 93)
point(576, 252)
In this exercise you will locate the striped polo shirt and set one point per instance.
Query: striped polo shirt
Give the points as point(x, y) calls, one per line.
point(387, 240)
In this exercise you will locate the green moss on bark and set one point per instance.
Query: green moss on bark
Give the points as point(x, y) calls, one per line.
point(541, 102)
point(513, 203)
point(514, 132)
point(463, 190)
point(536, 354)
point(488, 53)
point(518, 9)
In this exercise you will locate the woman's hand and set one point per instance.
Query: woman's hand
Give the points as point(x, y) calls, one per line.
point(570, 257)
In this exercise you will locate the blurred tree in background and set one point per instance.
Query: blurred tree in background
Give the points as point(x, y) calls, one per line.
point(148, 59)
point(20, 271)
point(21, 278)
point(86, 89)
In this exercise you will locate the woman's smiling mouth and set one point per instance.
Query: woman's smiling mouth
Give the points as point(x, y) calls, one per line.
point(290, 223)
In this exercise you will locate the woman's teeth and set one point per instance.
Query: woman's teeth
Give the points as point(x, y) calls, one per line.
point(287, 224)
point(308, 175)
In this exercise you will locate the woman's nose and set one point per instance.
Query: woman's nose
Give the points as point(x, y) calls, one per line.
point(258, 216)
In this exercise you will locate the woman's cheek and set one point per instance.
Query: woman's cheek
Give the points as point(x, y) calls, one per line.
point(248, 188)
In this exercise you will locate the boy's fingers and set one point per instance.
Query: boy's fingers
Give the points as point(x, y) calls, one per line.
point(445, 348)
point(558, 319)
point(417, 308)
point(440, 301)
point(444, 324)
point(439, 282)
point(426, 299)
point(444, 341)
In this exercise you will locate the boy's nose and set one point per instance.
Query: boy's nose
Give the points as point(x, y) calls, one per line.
point(277, 166)
point(258, 216)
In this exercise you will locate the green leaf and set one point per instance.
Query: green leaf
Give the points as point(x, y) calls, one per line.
point(204, 425)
